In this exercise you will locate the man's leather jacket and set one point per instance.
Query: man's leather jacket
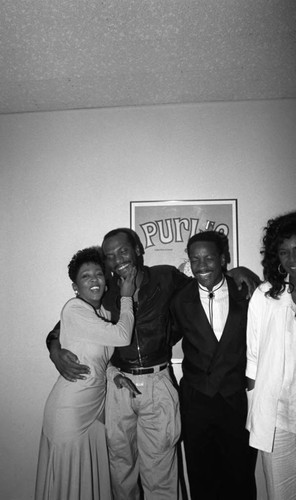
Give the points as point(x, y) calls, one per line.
point(150, 343)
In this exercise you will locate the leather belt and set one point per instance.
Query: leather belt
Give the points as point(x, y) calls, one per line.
point(144, 371)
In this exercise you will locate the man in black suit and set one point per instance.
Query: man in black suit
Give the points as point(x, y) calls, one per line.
point(210, 313)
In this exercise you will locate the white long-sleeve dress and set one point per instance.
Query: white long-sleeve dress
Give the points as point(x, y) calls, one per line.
point(73, 460)
point(270, 344)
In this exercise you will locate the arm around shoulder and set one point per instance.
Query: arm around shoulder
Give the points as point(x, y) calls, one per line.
point(243, 275)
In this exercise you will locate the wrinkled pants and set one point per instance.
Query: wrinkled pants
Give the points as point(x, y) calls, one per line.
point(142, 434)
point(280, 467)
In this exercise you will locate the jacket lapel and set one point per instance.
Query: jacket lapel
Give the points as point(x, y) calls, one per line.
point(235, 315)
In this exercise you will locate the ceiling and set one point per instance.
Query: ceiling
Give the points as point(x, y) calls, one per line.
point(71, 54)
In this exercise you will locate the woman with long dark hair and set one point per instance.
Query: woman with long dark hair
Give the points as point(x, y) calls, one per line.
point(271, 359)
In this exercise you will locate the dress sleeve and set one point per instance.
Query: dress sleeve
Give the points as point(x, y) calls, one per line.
point(255, 310)
point(80, 322)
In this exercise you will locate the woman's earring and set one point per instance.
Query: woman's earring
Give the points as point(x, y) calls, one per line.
point(76, 292)
point(106, 288)
point(283, 272)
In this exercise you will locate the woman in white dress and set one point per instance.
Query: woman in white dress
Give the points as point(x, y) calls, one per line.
point(73, 460)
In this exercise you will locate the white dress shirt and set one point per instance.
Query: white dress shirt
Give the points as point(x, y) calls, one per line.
point(219, 306)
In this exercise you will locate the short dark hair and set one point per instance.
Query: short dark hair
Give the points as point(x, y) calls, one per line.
point(91, 254)
point(132, 236)
point(275, 232)
point(218, 238)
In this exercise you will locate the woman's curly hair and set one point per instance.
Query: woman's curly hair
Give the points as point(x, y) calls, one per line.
point(276, 231)
point(92, 254)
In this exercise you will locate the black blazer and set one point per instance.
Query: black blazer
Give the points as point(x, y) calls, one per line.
point(209, 365)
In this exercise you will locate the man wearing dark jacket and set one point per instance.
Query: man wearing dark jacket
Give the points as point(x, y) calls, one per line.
point(210, 314)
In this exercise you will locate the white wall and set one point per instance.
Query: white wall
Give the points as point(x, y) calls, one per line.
point(68, 177)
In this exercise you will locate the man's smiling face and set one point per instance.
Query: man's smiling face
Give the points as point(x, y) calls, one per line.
point(120, 255)
point(206, 263)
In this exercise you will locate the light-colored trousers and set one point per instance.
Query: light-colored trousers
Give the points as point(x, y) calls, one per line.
point(280, 467)
point(142, 434)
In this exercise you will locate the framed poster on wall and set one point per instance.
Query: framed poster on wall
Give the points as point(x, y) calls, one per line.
point(164, 228)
